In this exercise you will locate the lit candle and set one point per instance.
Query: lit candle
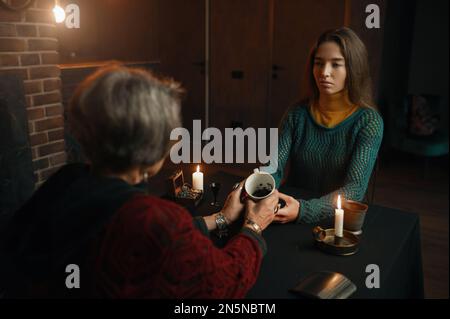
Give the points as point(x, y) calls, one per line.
point(338, 219)
point(197, 179)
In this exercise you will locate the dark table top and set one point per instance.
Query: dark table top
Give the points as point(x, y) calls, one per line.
point(390, 240)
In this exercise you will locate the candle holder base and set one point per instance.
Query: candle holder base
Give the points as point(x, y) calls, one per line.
point(326, 241)
point(338, 241)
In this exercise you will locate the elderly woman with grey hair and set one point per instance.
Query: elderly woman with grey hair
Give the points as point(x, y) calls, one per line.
point(124, 243)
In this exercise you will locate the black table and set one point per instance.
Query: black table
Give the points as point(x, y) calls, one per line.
point(390, 239)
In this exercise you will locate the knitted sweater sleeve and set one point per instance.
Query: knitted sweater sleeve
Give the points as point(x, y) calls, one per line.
point(359, 170)
point(195, 268)
point(284, 146)
point(152, 249)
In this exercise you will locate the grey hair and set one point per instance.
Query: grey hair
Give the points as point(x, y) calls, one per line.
point(123, 117)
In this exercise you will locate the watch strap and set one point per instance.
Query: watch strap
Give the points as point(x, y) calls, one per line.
point(222, 225)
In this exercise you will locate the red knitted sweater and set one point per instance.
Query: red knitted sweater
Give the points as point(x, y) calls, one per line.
point(151, 249)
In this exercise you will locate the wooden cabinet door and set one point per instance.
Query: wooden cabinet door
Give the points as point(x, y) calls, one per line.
point(297, 24)
point(258, 51)
point(182, 51)
point(239, 62)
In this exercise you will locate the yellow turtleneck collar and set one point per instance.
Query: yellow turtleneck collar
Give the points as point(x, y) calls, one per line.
point(332, 118)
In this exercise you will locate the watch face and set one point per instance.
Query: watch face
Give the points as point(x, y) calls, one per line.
point(221, 222)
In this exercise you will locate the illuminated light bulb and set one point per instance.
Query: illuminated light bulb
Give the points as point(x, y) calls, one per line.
point(60, 14)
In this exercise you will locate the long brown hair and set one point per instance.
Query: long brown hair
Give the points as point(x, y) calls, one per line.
point(358, 81)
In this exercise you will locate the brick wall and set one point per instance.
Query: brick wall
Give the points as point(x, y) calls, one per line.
point(29, 49)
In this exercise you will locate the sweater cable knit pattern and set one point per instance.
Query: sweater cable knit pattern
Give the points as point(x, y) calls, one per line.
point(328, 161)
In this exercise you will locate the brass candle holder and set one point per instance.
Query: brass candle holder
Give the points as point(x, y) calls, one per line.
point(326, 241)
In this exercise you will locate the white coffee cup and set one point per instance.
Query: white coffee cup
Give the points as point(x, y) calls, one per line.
point(258, 186)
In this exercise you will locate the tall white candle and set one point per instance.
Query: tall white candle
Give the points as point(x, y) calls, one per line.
point(197, 179)
point(338, 219)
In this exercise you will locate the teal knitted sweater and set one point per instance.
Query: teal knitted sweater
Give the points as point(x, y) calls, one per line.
point(328, 161)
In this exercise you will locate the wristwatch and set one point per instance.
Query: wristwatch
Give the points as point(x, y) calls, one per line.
point(254, 226)
point(222, 225)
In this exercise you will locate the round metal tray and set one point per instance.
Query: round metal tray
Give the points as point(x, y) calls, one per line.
point(327, 242)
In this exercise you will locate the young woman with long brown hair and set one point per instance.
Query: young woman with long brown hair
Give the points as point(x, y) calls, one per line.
point(332, 137)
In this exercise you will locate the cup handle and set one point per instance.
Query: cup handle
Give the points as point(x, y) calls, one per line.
point(319, 233)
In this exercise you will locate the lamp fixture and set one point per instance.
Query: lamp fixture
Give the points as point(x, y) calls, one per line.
point(59, 13)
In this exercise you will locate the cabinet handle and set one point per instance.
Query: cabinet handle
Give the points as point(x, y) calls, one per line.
point(276, 67)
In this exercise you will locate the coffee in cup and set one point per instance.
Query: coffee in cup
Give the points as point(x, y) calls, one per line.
point(262, 192)
point(258, 186)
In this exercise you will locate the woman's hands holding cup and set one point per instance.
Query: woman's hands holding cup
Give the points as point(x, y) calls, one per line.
point(262, 212)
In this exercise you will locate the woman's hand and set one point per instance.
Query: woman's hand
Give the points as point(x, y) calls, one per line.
point(263, 211)
point(289, 212)
point(233, 206)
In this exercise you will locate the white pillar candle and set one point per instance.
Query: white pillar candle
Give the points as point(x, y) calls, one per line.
point(338, 219)
point(197, 179)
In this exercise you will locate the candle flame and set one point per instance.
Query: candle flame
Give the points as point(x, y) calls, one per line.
point(339, 202)
point(59, 13)
point(198, 168)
